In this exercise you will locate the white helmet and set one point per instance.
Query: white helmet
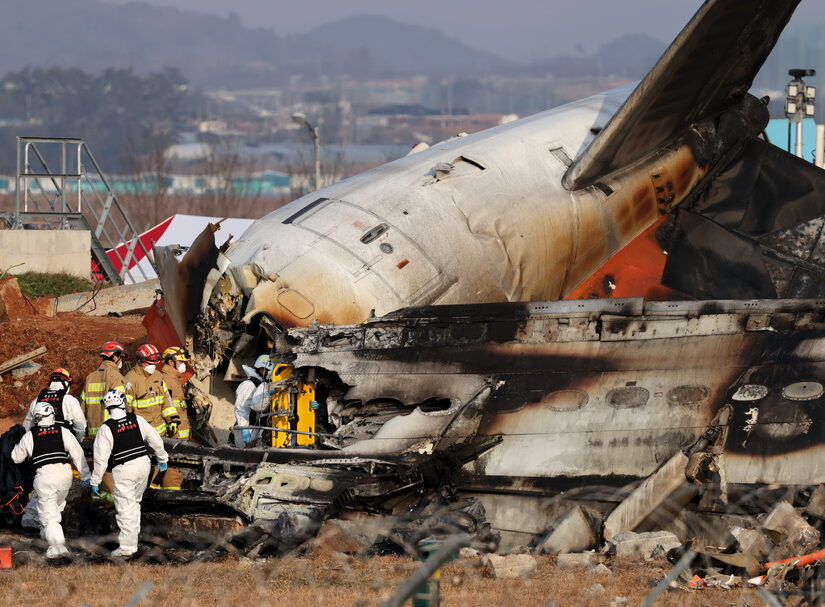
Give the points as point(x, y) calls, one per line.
point(43, 414)
point(263, 362)
point(114, 399)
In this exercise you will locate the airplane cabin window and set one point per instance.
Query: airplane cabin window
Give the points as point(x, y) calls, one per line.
point(627, 397)
point(565, 400)
point(687, 396)
point(750, 392)
point(803, 390)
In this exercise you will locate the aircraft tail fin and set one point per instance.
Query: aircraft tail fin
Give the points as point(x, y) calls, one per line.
point(707, 69)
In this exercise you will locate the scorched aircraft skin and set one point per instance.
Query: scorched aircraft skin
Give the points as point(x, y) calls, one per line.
point(544, 396)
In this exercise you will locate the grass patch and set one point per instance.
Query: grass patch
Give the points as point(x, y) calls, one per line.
point(35, 284)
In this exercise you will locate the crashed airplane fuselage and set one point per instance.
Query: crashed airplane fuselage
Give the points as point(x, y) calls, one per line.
point(578, 391)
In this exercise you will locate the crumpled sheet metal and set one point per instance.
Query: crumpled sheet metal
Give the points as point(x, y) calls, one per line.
point(182, 282)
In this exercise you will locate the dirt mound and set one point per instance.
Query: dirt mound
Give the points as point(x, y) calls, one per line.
point(72, 341)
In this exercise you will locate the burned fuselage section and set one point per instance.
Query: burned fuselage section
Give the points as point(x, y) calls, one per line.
point(576, 398)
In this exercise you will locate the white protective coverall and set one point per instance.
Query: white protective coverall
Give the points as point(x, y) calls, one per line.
point(130, 480)
point(51, 484)
point(248, 398)
point(73, 414)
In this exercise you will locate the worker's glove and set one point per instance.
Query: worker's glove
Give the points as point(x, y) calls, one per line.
point(162, 466)
point(95, 490)
point(246, 436)
point(172, 427)
point(84, 484)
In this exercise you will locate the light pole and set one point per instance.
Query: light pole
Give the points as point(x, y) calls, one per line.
point(799, 102)
point(316, 143)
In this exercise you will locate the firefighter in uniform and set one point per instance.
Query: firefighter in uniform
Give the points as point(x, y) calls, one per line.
point(174, 367)
point(51, 447)
point(147, 393)
point(106, 377)
point(148, 396)
point(67, 412)
point(120, 445)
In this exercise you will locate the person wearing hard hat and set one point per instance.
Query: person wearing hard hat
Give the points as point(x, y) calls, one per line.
point(147, 393)
point(67, 413)
point(248, 394)
point(106, 377)
point(173, 371)
point(148, 396)
point(50, 447)
point(121, 444)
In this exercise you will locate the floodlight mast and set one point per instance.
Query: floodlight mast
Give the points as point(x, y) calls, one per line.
point(799, 102)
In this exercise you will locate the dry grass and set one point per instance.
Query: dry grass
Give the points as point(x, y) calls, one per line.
point(328, 580)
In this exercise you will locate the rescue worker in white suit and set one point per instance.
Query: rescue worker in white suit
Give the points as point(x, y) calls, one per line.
point(121, 444)
point(51, 447)
point(249, 395)
point(67, 412)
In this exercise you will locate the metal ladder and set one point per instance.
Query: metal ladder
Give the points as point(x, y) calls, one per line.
point(76, 196)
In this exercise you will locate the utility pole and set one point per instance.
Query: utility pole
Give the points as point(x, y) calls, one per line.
point(799, 102)
point(316, 144)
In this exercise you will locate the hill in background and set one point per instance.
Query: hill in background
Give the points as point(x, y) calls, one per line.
point(219, 51)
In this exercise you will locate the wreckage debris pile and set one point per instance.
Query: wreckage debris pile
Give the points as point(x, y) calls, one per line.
point(71, 340)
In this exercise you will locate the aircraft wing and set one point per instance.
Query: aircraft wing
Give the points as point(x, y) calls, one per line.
point(707, 69)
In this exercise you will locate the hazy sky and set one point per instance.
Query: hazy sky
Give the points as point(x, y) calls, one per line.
point(517, 29)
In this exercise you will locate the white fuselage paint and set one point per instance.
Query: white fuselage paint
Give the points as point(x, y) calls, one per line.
point(508, 232)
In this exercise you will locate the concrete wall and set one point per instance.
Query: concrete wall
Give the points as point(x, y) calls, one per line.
point(128, 298)
point(50, 251)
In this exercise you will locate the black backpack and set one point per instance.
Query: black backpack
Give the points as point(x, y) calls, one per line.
point(16, 480)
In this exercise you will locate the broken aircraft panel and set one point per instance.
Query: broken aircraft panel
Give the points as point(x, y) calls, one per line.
point(580, 393)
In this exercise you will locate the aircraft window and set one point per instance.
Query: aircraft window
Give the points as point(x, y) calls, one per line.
point(687, 396)
point(750, 392)
point(804, 390)
point(628, 397)
point(565, 400)
point(374, 233)
point(433, 405)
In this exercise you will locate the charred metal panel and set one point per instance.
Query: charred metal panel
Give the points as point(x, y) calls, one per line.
point(558, 399)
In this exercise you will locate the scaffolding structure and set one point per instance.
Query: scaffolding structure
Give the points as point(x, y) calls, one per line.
point(59, 185)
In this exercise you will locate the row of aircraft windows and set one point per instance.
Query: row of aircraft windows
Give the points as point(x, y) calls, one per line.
point(630, 397)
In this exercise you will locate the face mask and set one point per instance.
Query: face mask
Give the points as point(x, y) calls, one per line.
point(116, 413)
point(119, 364)
point(56, 385)
point(181, 367)
point(150, 369)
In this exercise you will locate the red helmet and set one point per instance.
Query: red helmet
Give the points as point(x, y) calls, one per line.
point(110, 348)
point(61, 374)
point(148, 353)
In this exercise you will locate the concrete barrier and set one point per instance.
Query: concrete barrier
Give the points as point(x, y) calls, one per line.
point(128, 298)
point(47, 251)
